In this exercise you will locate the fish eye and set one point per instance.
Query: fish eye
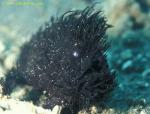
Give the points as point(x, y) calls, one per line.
point(75, 54)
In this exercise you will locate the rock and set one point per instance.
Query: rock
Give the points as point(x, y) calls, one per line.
point(141, 85)
point(146, 73)
point(132, 66)
point(126, 54)
point(132, 40)
point(10, 61)
point(20, 92)
point(12, 106)
point(109, 111)
point(2, 71)
point(143, 112)
point(56, 109)
point(2, 47)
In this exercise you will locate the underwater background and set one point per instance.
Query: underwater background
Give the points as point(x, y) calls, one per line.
point(128, 54)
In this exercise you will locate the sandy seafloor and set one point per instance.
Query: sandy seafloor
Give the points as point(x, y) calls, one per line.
point(129, 53)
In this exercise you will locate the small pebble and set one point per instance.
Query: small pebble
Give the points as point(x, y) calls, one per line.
point(127, 64)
